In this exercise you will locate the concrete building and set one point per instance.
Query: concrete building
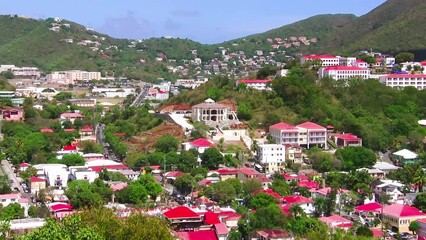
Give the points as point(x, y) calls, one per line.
point(258, 84)
point(324, 60)
point(344, 72)
point(399, 216)
point(272, 157)
point(82, 173)
point(306, 134)
point(72, 76)
point(209, 111)
point(404, 80)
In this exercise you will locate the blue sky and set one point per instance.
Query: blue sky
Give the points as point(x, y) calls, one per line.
point(200, 20)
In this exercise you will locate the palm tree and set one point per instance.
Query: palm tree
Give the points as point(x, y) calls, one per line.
point(419, 179)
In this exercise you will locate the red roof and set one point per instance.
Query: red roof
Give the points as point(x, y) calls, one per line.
point(197, 235)
point(423, 63)
point(369, 207)
point(69, 148)
point(313, 56)
point(376, 232)
point(174, 174)
point(221, 229)
point(249, 171)
point(201, 142)
point(254, 81)
point(406, 76)
point(269, 192)
point(87, 128)
point(297, 199)
point(310, 125)
point(72, 115)
point(211, 218)
point(283, 126)
point(347, 137)
point(204, 182)
point(111, 167)
point(227, 171)
point(61, 207)
point(69, 129)
point(299, 177)
point(36, 179)
point(24, 164)
point(234, 216)
point(46, 130)
point(308, 184)
point(336, 221)
point(400, 210)
point(343, 68)
point(330, 126)
point(180, 212)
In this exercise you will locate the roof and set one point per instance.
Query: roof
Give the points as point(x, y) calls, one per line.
point(269, 192)
point(311, 125)
point(273, 233)
point(336, 221)
point(173, 174)
point(36, 179)
point(233, 217)
point(87, 128)
point(385, 166)
point(69, 148)
point(344, 68)
point(406, 154)
point(327, 190)
point(201, 142)
point(308, 184)
point(254, 81)
point(405, 76)
point(61, 207)
point(211, 218)
point(180, 212)
point(248, 171)
point(283, 126)
point(221, 229)
point(376, 232)
point(299, 177)
point(118, 187)
point(72, 115)
point(24, 164)
point(204, 182)
point(46, 130)
point(227, 171)
point(10, 196)
point(197, 235)
point(314, 56)
point(400, 210)
point(369, 207)
point(347, 137)
point(111, 167)
point(69, 129)
point(297, 199)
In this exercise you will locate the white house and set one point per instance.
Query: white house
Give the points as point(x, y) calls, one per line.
point(272, 157)
point(82, 173)
point(344, 72)
point(325, 60)
point(200, 144)
point(258, 84)
point(6, 199)
point(306, 134)
point(404, 80)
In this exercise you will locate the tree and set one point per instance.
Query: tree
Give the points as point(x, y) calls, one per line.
point(214, 93)
point(368, 59)
point(261, 200)
point(63, 96)
point(4, 185)
point(266, 71)
point(414, 226)
point(297, 211)
point(221, 192)
point(320, 206)
point(364, 231)
point(244, 111)
point(33, 211)
point(281, 187)
point(12, 211)
point(73, 160)
point(166, 143)
point(7, 74)
point(29, 172)
point(82, 194)
point(420, 201)
point(251, 185)
point(91, 147)
point(211, 158)
point(356, 157)
point(404, 57)
point(185, 184)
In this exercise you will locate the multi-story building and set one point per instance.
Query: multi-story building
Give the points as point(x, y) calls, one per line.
point(306, 134)
point(210, 111)
point(12, 113)
point(325, 60)
point(258, 84)
point(69, 77)
point(272, 157)
point(25, 71)
point(344, 72)
point(404, 80)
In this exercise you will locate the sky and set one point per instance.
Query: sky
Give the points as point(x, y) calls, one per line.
point(200, 20)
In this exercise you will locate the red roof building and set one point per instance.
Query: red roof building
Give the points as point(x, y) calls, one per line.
point(404, 80)
point(304, 134)
point(197, 235)
point(344, 72)
point(400, 216)
point(308, 184)
point(369, 207)
point(258, 84)
point(69, 148)
point(211, 218)
point(182, 214)
point(297, 199)
point(348, 139)
point(201, 142)
point(46, 130)
point(36, 179)
point(336, 221)
point(270, 192)
point(61, 207)
point(272, 234)
point(247, 173)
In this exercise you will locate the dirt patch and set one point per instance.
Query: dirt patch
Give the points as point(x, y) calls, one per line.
point(144, 141)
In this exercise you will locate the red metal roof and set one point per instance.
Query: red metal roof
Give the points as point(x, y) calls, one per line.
point(254, 81)
point(369, 207)
point(376, 232)
point(211, 218)
point(197, 235)
point(400, 210)
point(180, 212)
point(69, 129)
point(269, 192)
point(344, 68)
point(36, 179)
point(227, 171)
point(311, 125)
point(173, 174)
point(308, 184)
point(24, 164)
point(299, 177)
point(69, 148)
point(336, 220)
point(406, 76)
point(87, 128)
point(46, 130)
point(283, 126)
point(249, 171)
point(221, 229)
point(297, 199)
point(61, 207)
point(313, 56)
point(348, 137)
point(201, 142)
point(112, 167)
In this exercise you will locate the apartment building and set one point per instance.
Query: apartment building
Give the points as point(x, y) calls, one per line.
point(272, 157)
point(306, 134)
point(326, 60)
point(344, 72)
point(71, 76)
point(404, 80)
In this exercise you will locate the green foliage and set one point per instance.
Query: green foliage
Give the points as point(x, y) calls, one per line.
point(33, 211)
point(63, 96)
point(73, 160)
point(404, 57)
point(414, 226)
point(268, 217)
point(281, 187)
point(112, 176)
point(4, 185)
point(12, 211)
point(7, 74)
point(29, 172)
point(82, 194)
point(211, 158)
point(261, 200)
point(222, 192)
point(244, 111)
point(91, 147)
point(185, 184)
point(251, 185)
point(420, 201)
point(138, 191)
point(166, 143)
point(266, 71)
point(356, 157)
point(364, 231)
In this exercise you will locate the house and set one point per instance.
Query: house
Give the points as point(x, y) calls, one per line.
point(24, 166)
point(172, 175)
point(258, 84)
point(391, 188)
point(272, 157)
point(293, 153)
point(87, 130)
point(337, 222)
point(305, 134)
point(343, 72)
point(247, 173)
point(36, 184)
point(183, 217)
point(60, 210)
point(12, 113)
point(272, 234)
point(346, 139)
point(193, 235)
point(404, 156)
point(385, 167)
point(82, 173)
point(374, 173)
point(210, 111)
point(70, 116)
point(324, 60)
point(225, 174)
point(200, 144)
point(323, 192)
point(404, 80)
point(11, 198)
point(84, 102)
point(399, 216)
point(231, 221)
point(305, 203)
point(46, 130)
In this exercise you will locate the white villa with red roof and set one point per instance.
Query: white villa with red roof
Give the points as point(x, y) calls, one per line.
point(200, 144)
point(404, 80)
point(336, 221)
point(258, 84)
point(346, 139)
point(306, 134)
point(399, 216)
point(70, 116)
point(344, 72)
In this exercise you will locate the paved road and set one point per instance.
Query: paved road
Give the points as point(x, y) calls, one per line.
point(140, 97)
point(7, 170)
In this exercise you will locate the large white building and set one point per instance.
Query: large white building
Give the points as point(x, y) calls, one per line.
point(326, 60)
point(404, 80)
point(344, 72)
point(272, 157)
point(21, 71)
point(114, 92)
point(258, 84)
point(69, 77)
point(306, 134)
point(210, 111)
